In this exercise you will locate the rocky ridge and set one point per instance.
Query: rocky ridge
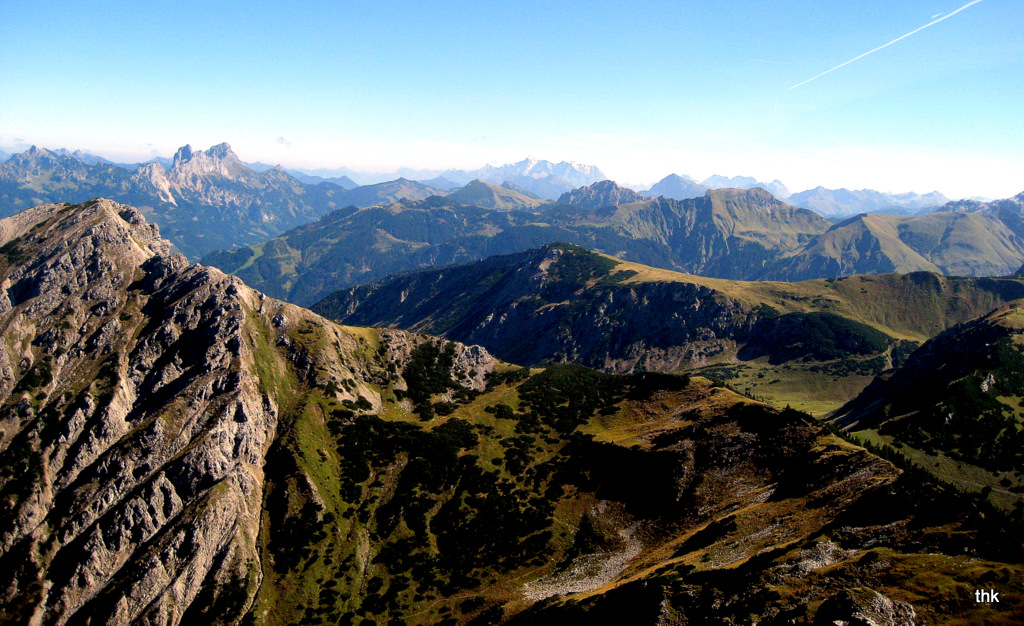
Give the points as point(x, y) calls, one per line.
point(139, 405)
point(561, 303)
point(600, 194)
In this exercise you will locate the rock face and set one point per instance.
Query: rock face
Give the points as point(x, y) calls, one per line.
point(598, 195)
point(138, 410)
point(866, 607)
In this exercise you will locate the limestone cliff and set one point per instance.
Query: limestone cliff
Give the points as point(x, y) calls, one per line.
point(140, 397)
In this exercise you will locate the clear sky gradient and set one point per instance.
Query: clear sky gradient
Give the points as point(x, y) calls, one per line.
point(640, 89)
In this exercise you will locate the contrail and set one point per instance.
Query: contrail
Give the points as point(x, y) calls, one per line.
point(857, 58)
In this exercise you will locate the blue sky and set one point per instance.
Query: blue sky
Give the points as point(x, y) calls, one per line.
point(639, 89)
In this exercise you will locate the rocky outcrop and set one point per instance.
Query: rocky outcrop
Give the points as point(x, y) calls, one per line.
point(140, 397)
point(601, 194)
point(866, 607)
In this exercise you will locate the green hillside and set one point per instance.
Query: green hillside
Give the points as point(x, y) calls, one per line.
point(959, 244)
point(812, 345)
point(485, 195)
point(725, 233)
point(566, 495)
point(956, 406)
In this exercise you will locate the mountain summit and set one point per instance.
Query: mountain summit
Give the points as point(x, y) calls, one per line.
point(219, 159)
point(489, 196)
point(543, 178)
point(602, 194)
point(776, 188)
point(677, 187)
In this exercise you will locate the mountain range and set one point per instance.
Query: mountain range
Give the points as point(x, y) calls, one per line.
point(177, 447)
point(844, 202)
point(727, 233)
point(204, 201)
point(548, 180)
point(735, 234)
point(210, 200)
point(787, 342)
point(545, 179)
point(342, 181)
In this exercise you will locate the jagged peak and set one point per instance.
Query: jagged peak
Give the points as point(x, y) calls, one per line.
point(183, 155)
point(36, 152)
point(100, 215)
point(218, 159)
point(221, 151)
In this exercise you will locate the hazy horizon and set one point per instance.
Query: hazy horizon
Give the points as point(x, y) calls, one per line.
point(369, 177)
point(922, 96)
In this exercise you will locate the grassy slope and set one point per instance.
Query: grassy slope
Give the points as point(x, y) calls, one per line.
point(903, 307)
point(964, 244)
point(334, 550)
point(481, 194)
point(753, 491)
point(914, 307)
point(956, 408)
